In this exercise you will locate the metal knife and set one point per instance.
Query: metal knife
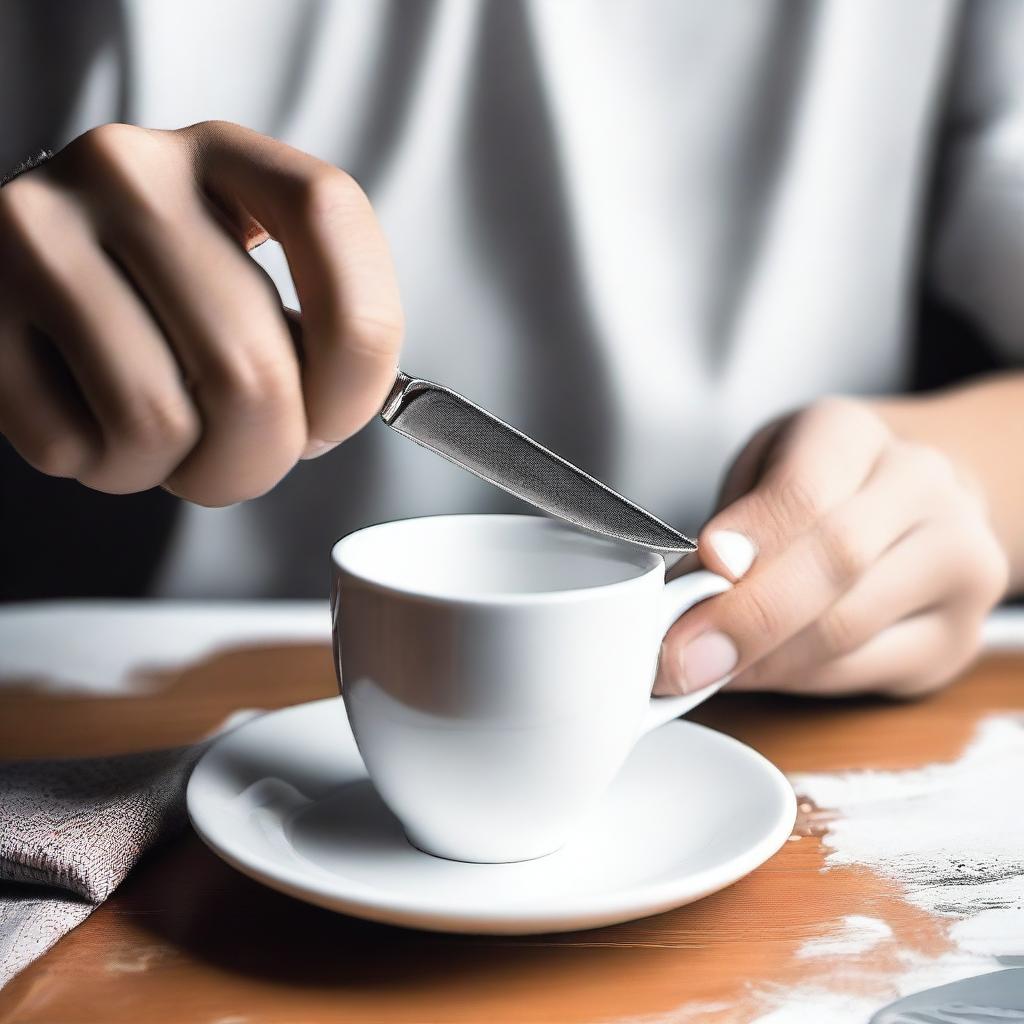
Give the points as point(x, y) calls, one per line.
point(443, 421)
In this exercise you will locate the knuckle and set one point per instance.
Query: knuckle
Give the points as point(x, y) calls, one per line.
point(329, 194)
point(197, 137)
point(831, 406)
point(252, 383)
point(106, 145)
point(758, 613)
point(930, 464)
point(838, 408)
point(851, 416)
point(843, 555)
point(795, 502)
point(157, 423)
point(782, 510)
point(215, 124)
point(211, 126)
point(840, 632)
point(133, 164)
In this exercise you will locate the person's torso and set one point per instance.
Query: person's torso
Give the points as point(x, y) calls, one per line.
point(637, 231)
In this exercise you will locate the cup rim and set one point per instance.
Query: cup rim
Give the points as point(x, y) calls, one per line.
point(497, 598)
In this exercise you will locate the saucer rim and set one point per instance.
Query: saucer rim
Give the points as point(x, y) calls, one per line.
point(359, 899)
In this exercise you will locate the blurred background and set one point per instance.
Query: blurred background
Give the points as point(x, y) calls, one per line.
point(635, 230)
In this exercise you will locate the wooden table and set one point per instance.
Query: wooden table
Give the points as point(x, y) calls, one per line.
point(186, 938)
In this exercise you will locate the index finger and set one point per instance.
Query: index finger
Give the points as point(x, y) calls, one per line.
point(782, 595)
point(792, 474)
point(352, 323)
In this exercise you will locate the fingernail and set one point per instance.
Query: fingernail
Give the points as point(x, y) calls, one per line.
point(706, 660)
point(315, 448)
point(736, 550)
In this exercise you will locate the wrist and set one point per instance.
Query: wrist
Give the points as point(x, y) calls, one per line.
point(932, 419)
point(979, 427)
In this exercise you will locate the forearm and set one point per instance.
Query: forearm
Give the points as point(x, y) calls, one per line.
point(980, 426)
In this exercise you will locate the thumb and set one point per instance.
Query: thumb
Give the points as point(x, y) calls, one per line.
point(725, 548)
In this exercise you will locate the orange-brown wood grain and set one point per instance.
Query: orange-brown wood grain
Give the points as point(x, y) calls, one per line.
point(188, 939)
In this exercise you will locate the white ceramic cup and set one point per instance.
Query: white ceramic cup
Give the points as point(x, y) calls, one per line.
point(497, 671)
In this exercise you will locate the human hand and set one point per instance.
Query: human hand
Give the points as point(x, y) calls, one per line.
point(140, 345)
point(862, 563)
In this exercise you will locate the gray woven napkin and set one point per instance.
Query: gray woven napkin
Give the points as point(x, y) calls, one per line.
point(70, 830)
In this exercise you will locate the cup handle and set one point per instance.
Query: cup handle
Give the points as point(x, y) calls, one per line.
point(680, 595)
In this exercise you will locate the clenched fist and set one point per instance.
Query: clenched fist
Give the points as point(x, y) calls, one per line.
point(140, 344)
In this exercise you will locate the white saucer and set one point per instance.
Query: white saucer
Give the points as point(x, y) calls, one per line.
point(286, 800)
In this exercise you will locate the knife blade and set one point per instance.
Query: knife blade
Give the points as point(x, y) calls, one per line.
point(461, 432)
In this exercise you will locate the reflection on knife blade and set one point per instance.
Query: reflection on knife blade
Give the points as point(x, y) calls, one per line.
point(453, 427)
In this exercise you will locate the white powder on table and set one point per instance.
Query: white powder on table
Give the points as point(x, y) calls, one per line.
point(855, 934)
point(951, 836)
